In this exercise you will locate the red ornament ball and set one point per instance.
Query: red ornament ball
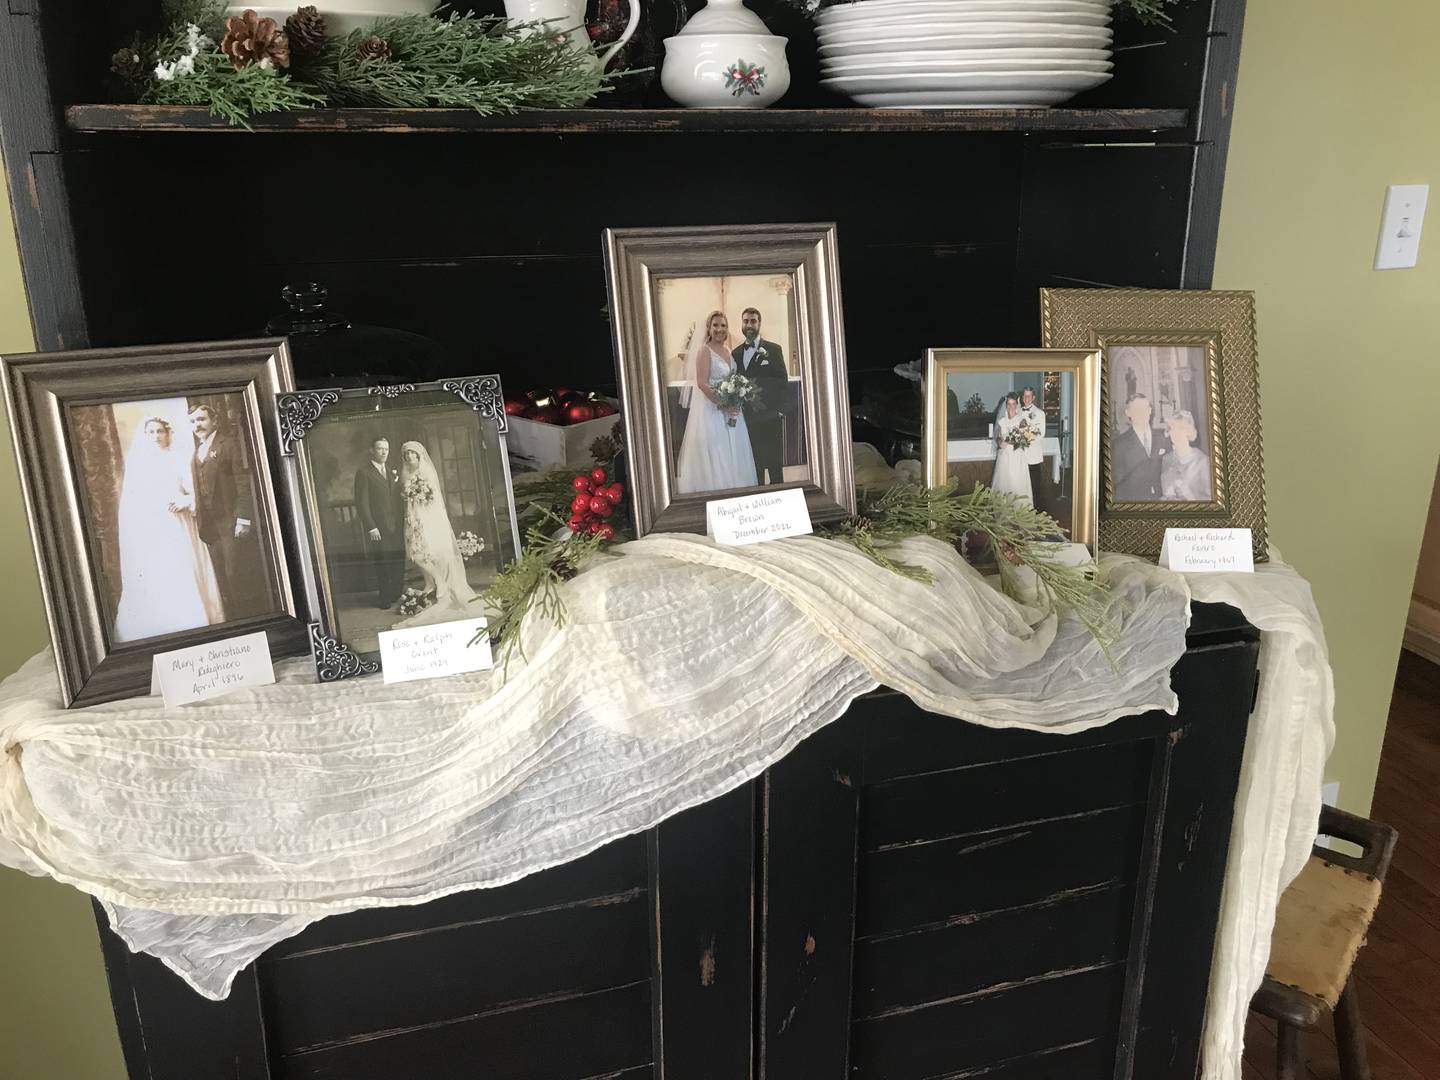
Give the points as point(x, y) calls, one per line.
point(600, 505)
point(576, 523)
point(581, 484)
point(544, 414)
point(603, 409)
point(597, 475)
point(577, 412)
point(607, 530)
point(516, 406)
point(580, 504)
point(614, 493)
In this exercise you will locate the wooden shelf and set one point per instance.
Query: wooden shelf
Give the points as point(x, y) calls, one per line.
point(184, 118)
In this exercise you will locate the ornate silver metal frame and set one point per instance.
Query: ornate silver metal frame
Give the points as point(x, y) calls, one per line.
point(634, 259)
point(41, 389)
point(297, 413)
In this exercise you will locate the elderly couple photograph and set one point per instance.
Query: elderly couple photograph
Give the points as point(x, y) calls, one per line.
point(728, 444)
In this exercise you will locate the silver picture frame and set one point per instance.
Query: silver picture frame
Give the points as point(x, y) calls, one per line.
point(636, 260)
point(298, 415)
point(46, 393)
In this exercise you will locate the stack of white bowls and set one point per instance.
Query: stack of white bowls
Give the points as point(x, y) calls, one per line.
point(979, 54)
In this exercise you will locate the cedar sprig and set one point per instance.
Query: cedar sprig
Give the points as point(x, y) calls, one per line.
point(1020, 534)
point(532, 583)
point(481, 63)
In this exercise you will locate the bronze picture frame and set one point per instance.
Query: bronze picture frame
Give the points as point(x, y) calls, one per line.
point(54, 399)
point(461, 421)
point(1216, 331)
point(1079, 440)
point(802, 262)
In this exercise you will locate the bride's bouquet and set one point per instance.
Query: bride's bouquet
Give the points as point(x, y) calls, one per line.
point(1021, 436)
point(419, 491)
point(735, 391)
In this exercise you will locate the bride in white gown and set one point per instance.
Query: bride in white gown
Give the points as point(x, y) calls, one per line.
point(430, 540)
point(1011, 472)
point(713, 455)
point(167, 580)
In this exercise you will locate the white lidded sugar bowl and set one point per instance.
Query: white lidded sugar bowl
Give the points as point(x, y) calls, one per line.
point(725, 58)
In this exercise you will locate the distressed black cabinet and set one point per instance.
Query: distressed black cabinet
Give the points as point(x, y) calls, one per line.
point(905, 896)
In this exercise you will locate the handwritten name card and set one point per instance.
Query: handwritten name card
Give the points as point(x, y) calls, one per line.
point(1212, 551)
point(428, 652)
point(201, 672)
point(750, 519)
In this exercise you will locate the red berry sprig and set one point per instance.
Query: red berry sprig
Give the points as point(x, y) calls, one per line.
point(594, 501)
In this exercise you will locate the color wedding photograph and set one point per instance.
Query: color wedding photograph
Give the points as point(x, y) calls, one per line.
point(734, 398)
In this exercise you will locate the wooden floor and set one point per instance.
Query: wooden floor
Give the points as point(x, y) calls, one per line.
point(1400, 967)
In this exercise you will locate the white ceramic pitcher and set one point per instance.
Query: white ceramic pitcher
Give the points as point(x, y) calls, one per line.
point(569, 16)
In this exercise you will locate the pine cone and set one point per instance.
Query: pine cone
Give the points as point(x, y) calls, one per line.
point(250, 39)
point(306, 31)
point(127, 64)
point(373, 48)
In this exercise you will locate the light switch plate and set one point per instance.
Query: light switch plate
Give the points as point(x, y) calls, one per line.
point(1400, 224)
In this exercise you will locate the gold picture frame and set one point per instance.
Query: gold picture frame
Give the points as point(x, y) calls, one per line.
point(1211, 379)
point(1076, 440)
point(801, 259)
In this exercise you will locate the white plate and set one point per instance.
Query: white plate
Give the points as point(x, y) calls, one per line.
point(1002, 8)
point(973, 80)
point(931, 64)
point(887, 10)
point(1075, 39)
point(961, 99)
point(953, 48)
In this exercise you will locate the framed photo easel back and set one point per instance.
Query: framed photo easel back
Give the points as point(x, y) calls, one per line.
point(408, 511)
point(1020, 421)
point(730, 355)
point(1180, 430)
point(158, 504)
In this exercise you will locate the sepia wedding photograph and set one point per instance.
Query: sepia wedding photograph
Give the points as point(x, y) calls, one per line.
point(735, 410)
point(408, 499)
point(730, 356)
point(1019, 422)
point(169, 488)
point(1159, 412)
point(158, 504)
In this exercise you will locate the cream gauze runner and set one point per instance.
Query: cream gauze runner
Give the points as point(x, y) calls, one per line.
point(212, 831)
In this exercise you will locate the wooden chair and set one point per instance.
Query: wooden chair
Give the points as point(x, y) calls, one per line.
point(1320, 926)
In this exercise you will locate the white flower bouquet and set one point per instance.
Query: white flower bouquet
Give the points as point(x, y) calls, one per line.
point(735, 391)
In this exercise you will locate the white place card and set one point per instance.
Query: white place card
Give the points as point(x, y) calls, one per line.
point(201, 672)
point(1202, 551)
point(429, 652)
point(750, 519)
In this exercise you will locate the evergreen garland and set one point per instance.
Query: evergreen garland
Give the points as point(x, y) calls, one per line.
point(487, 64)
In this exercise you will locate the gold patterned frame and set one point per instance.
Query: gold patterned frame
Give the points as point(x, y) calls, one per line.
point(1082, 364)
point(1224, 324)
point(635, 259)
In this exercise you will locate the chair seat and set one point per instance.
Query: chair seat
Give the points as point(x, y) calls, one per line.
point(1320, 925)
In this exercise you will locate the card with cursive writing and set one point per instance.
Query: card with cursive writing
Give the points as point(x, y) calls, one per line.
point(428, 652)
point(201, 672)
point(1201, 551)
point(750, 519)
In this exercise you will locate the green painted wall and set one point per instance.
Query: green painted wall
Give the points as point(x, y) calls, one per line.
point(1333, 105)
point(1313, 149)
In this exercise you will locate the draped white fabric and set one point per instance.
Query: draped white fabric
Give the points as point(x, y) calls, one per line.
point(683, 670)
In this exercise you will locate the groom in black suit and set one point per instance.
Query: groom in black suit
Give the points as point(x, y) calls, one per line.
point(225, 516)
point(1137, 454)
point(764, 361)
point(377, 505)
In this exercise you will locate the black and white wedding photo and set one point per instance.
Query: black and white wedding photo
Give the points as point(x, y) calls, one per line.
point(1159, 416)
point(408, 496)
point(735, 406)
point(170, 486)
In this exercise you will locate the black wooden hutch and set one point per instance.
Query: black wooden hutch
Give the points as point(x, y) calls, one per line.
point(904, 896)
